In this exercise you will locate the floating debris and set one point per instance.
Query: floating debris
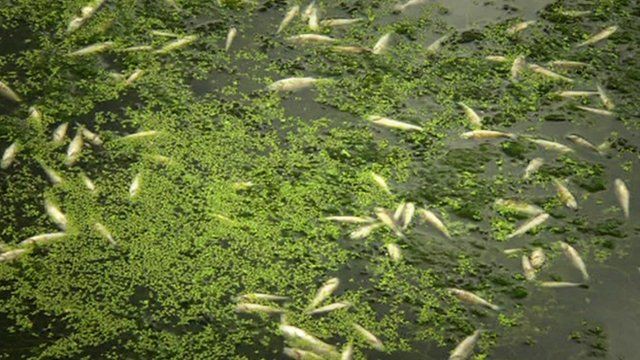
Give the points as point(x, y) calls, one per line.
point(622, 194)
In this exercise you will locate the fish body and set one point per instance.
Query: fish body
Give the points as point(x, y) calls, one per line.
point(471, 298)
point(388, 221)
point(257, 308)
point(177, 44)
point(434, 221)
point(486, 134)
point(571, 94)
point(548, 73)
point(311, 39)
point(623, 196)
point(85, 14)
point(407, 214)
point(308, 10)
point(606, 100)
point(351, 219)
point(519, 64)
point(330, 307)
point(408, 4)
point(395, 124)
point(464, 350)
point(382, 45)
point(565, 64)
point(496, 58)
point(9, 156)
point(520, 27)
point(369, 337)
point(8, 93)
point(561, 284)
point(12, 254)
point(364, 231)
point(437, 44)
point(596, 111)
point(299, 354)
point(350, 49)
point(474, 118)
point(579, 140)
point(519, 207)
point(52, 175)
point(534, 165)
point(313, 20)
point(42, 238)
point(35, 116)
point(381, 182)
point(261, 296)
point(537, 258)
point(137, 48)
point(164, 33)
point(56, 215)
point(231, 35)
point(340, 22)
point(92, 49)
point(307, 341)
point(91, 137)
point(511, 251)
point(104, 232)
point(87, 182)
point(565, 195)
point(289, 16)
point(528, 269)
point(74, 149)
point(347, 352)
point(552, 145)
point(530, 224)
point(324, 292)
point(599, 36)
point(134, 188)
point(394, 251)
point(574, 13)
point(137, 74)
point(575, 259)
point(293, 84)
point(141, 134)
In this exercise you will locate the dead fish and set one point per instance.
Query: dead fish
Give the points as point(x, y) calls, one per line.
point(261, 296)
point(433, 220)
point(395, 124)
point(575, 259)
point(42, 238)
point(60, 132)
point(293, 84)
point(369, 337)
point(9, 156)
point(471, 298)
point(104, 232)
point(350, 49)
point(330, 307)
point(74, 149)
point(622, 193)
point(520, 27)
point(551, 145)
point(596, 111)
point(537, 258)
point(474, 118)
point(177, 44)
point(565, 195)
point(351, 219)
point(381, 182)
point(86, 13)
point(137, 48)
point(539, 219)
point(6, 91)
point(599, 36)
point(574, 13)
point(257, 308)
point(12, 254)
point(55, 214)
point(231, 35)
point(134, 188)
point(534, 165)
point(288, 18)
point(313, 20)
point(382, 45)
point(35, 116)
point(137, 74)
point(93, 49)
point(436, 45)
point(519, 64)
point(340, 22)
point(496, 58)
point(307, 341)
point(465, 348)
point(606, 100)
point(407, 215)
point(308, 10)
point(347, 353)
point(528, 269)
point(299, 354)
point(486, 134)
point(87, 182)
point(311, 39)
point(364, 231)
point(565, 64)
point(324, 292)
point(408, 4)
point(91, 137)
point(579, 140)
point(512, 251)
point(394, 252)
point(519, 207)
point(140, 134)
point(548, 73)
point(571, 94)
point(561, 284)
point(52, 175)
point(397, 215)
point(164, 33)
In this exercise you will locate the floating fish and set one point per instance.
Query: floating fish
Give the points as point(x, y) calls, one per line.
point(177, 44)
point(42, 238)
point(575, 259)
point(528, 269)
point(512, 251)
point(137, 74)
point(408, 4)
point(437, 44)
point(570, 94)
point(606, 100)
point(472, 298)
point(330, 307)
point(288, 17)
point(519, 207)
point(347, 352)
point(9, 156)
point(299, 354)
point(519, 64)
point(293, 84)
point(395, 124)
point(87, 182)
point(407, 215)
point(74, 149)
point(397, 215)
point(474, 118)
point(104, 232)
point(12, 254)
point(6, 91)
point(140, 134)
point(574, 13)
point(383, 44)
point(351, 219)
point(364, 231)
point(486, 134)
point(465, 348)
point(548, 73)
point(622, 193)
point(599, 36)
point(561, 284)
point(91, 137)
point(52, 175)
point(138, 48)
point(261, 296)
point(539, 219)
point(565, 64)
point(313, 20)
point(340, 22)
point(308, 10)
point(394, 252)
point(537, 258)
point(496, 58)
point(369, 337)
point(231, 35)
point(534, 165)
point(596, 111)
point(381, 182)
point(35, 116)
point(93, 49)
point(311, 39)
point(324, 292)
point(520, 27)
point(257, 308)
point(350, 49)
point(433, 220)
point(86, 13)
point(134, 188)
point(551, 145)
point(579, 140)
point(307, 341)
point(565, 195)
point(164, 33)
point(56, 215)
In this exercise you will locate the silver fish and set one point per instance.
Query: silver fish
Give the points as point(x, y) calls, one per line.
point(56, 215)
point(570, 94)
point(104, 232)
point(307, 341)
point(606, 100)
point(519, 64)
point(177, 44)
point(471, 298)
point(407, 215)
point(141, 134)
point(86, 13)
point(397, 215)
point(9, 156)
point(512, 251)
point(497, 58)
point(596, 111)
point(134, 188)
point(394, 252)
point(539, 219)
point(528, 269)
point(599, 36)
point(465, 348)
point(12, 254)
point(519, 27)
point(388, 220)
point(408, 4)
point(293, 84)
point(395, 124)
point(551, 145)
point(93, 49)
point(330, 307)
point(575, 259)
point(313, 20)
point(486, 134)
point(6, 91)
point(42, 238)
point(548, 73)
point(369, 337)
point(299, 354)
point(137, 48)
point(340, 22)
point(383, 44)
point(434, 221)
point(52, 175)
point(91, 137)
point(351, 219)
point(261, 296)
point(308, 10)
point(74, 149)
point(561, 284)
point(324, 292)
point(350, 49)
point(537, 258)
point(381, 182)
point(288, 17)
point(311, 39)
point(579, 140)
point(519, 207)
point(347, 352)
point(364, 231)
point(87, 182)
point(574, 13)
point(565, 195)
point(137, 74)
point(35, 116)
point(60, 132)
point(437, 44)
point(622, 193)
point(164, 33)
point(231, 35)
point(257, 308)
point(566, 64)
point(474, 118)
point(534, 165)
